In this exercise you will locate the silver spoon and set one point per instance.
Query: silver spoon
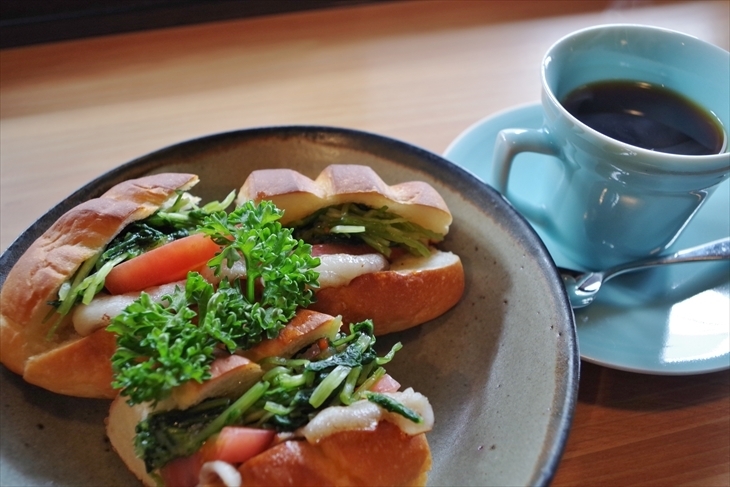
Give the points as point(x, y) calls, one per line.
point(583, 286)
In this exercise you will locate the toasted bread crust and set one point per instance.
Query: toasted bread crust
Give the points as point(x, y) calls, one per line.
point(79, 367)
point(53, 259)
point(300, 196)
point(306, 327)
point(383, 457)
point(229, 377)
point(397, 299)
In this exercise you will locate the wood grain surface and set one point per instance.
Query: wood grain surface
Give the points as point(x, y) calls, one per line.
point(419, 71)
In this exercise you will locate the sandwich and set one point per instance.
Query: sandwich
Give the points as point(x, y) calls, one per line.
point(377, 244)
point(321, 411)
point(67, 266)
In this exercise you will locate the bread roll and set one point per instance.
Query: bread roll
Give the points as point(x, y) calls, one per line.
point(383, 457)
point(359, 445)
point(67, 363)
point(413, 290)
point(121, 427)
point(381, 454)
point(300, 196)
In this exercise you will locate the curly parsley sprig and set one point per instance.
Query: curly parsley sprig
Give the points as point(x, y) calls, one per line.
point(284, 264)
point(160, 346)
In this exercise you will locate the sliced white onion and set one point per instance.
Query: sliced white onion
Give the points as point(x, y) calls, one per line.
point(104, 307)
point(418, 403)
point(219, 474)
point(365, 415)
point(87, 318)
point(339, 269)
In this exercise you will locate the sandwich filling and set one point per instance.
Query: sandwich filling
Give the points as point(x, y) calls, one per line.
point(356, 223)
point(175, 219)
point(329, 386)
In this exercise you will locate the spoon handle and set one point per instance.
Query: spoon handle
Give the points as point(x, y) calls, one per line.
point(715, 250)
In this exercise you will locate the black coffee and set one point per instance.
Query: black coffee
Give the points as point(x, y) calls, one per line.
point(647, 116)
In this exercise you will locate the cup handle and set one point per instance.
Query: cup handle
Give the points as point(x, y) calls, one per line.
point(511, 142)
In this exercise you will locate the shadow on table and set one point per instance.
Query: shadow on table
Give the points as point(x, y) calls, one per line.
point(627, 390)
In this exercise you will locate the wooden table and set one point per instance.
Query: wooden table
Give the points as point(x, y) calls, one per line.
point(418, 71)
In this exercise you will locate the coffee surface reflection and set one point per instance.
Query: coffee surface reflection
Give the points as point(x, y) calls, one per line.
point(647, 116)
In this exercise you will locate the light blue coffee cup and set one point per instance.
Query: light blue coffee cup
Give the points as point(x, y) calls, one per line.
point(616, 202)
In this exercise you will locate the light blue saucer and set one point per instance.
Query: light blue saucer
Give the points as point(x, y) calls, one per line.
point(673, 320)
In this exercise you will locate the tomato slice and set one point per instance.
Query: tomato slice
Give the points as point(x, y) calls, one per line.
point(386, 384)
point(236, 444)
point(182, 472)
point(168, 263)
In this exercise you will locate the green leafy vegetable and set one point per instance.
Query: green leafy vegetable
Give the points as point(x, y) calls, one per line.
point(290, 393)
point(183, 212)
point(172, 221)
point(161, 346)
point(390, 404)
point(163, 437)
point(138, 238)
point(376, 227)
